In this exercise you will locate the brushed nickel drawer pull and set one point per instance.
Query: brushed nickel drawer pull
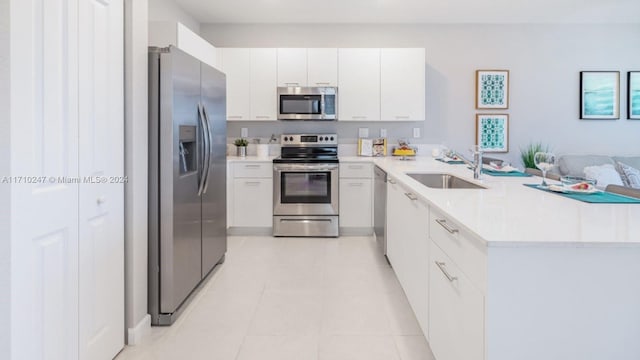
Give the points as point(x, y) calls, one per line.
point(252, 166)
point(444, 224)
point(411, 196)
point(442, 265)
point(356, 184)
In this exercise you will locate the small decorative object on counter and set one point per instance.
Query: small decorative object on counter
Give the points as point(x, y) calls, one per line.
point(403, 150)
point(241, 147)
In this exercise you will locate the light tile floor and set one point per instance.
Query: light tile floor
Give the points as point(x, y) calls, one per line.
point(294, 299)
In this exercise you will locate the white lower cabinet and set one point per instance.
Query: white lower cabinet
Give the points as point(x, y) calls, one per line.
point(408, 247)
point(251, 200)
point(356, 197)
point(456, 291)
point(456, 311)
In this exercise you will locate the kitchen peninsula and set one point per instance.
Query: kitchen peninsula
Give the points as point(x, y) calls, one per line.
point(514, 272)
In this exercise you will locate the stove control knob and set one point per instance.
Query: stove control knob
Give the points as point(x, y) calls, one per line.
point(331, 138)
point(285, 138)
point(290, 138)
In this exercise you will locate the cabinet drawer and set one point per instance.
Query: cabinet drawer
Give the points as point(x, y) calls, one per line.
point(456, 328)
point(464, 249)
point(253, 169)
point(356, 170)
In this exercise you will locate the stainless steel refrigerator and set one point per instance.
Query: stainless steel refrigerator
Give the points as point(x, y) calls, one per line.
point(187, 178)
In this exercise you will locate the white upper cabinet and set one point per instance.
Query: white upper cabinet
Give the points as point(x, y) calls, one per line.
point(402, 84)
point(292, 67)
point(263, 84)
point(359, 84)
point(236, 63)
point(322, 67)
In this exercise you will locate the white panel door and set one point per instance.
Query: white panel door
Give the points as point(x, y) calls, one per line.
point(101, 155)
point(44, 165)
point(264, 81)
point(402, 84)
point(359, 84)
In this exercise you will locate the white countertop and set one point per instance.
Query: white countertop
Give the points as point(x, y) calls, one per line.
point(510, 214)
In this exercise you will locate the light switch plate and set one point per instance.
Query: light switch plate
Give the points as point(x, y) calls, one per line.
point(416, 132)
point(383, 133)
point(244, 132)
point(363, 132)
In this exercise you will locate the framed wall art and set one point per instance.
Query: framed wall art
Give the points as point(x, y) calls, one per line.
point(492, 132)
point(492, 89)
point(633, 95)
point(600, 95)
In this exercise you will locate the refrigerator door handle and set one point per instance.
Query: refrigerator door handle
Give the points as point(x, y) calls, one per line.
point(205, 138)
point(210, 142)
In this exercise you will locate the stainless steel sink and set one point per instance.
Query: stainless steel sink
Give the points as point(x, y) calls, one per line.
point(444, 181)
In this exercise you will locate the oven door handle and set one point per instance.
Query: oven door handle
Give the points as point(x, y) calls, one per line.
point(305, 167)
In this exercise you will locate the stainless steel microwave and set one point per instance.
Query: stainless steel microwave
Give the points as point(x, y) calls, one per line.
point(307, 103)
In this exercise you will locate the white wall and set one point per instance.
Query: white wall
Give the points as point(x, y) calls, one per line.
point(544, 63)
point(5, 197)
point(168, 10)
point(136, 165)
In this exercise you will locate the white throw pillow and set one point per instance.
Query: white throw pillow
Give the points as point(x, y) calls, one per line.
point(631, 174)
point(604, 175)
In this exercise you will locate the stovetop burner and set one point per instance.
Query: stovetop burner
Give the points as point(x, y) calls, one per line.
point(308, 148)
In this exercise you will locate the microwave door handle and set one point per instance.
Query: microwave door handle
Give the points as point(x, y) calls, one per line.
point(322, 105)
point(209, 148)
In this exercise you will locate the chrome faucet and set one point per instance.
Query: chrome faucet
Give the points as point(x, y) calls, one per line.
point(476, 164)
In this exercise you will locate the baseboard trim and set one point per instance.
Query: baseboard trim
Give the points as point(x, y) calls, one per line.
point(356, 231)
point(140, 331)
point(250, 231)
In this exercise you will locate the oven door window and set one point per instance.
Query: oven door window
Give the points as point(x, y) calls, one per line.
point(300, 104)
point(305, 187)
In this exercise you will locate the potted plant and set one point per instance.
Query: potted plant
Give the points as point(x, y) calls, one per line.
point(241, 146)
point(529, 151)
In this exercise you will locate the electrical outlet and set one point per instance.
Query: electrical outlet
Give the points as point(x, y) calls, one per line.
point(363, 132)
point(383, 133)
point(416, 132)
point(244, 132)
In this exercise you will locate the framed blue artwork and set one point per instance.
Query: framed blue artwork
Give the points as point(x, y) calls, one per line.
point(492, 89)
point(600, 95)
point(633, 95)
point(492, 132)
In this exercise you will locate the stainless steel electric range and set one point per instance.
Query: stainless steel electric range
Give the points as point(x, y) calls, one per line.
point(305, 186)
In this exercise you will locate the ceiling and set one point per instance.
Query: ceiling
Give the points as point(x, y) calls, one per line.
point(412, 11)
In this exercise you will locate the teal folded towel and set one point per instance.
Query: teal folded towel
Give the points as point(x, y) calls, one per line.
point(504, 173)
point(451, 161)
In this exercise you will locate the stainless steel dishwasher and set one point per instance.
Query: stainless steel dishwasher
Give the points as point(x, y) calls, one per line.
point(380, 208)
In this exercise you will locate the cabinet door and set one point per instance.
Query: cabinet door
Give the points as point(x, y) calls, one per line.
point(402, 84)
point(236, 63)
point(292, 67)
point(415, 280)
point(322, 67)
point(359, 84)
point(355, 203)
point(253, 202)
point(263, 84)
point(456, 311)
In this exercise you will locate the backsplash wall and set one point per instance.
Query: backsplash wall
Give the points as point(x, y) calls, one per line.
point(544, 61)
